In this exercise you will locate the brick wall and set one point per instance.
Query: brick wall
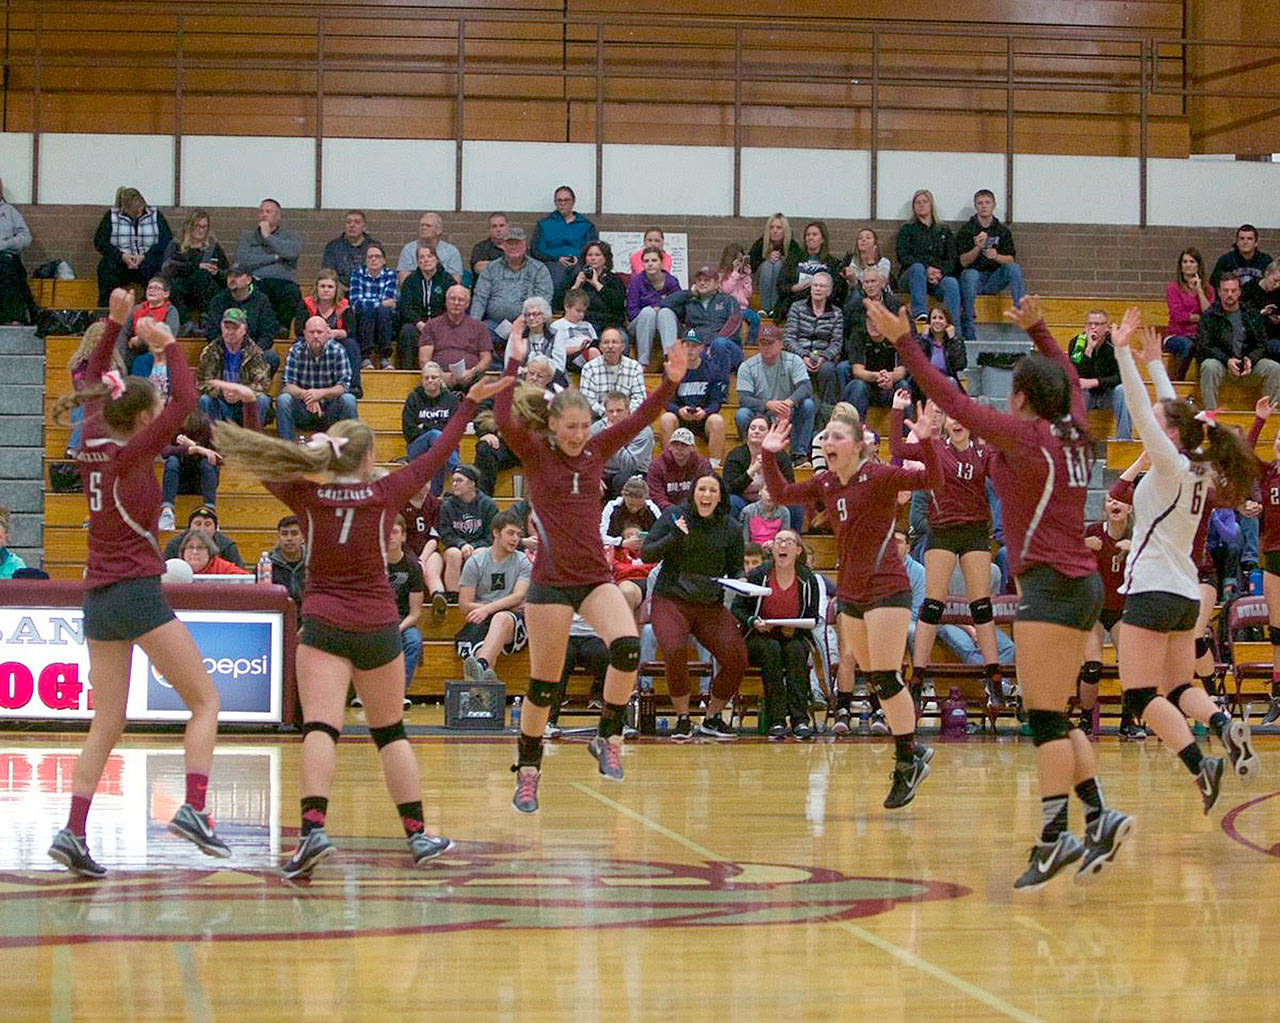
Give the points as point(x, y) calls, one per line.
point(1059, 259)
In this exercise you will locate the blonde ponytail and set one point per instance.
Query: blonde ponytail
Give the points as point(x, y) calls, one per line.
point(271, 458)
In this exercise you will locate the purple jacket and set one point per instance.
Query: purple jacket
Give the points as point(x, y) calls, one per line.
point(640, 294)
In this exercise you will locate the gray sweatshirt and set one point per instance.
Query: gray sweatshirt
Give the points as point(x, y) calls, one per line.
point(14, 233)
point(273, 256)
point(500, 291)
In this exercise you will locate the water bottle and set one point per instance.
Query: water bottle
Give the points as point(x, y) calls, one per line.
point(264, 567)
point(864, 718)
point(662, 726)
point(515, 714)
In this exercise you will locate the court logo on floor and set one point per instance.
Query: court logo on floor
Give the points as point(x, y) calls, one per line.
point(368, 889)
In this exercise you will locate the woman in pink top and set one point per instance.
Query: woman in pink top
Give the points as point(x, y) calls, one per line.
point(656, 239)
point(1188, 295)
point(735, 281)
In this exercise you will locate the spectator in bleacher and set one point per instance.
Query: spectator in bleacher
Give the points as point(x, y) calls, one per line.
point(631, 508)
point(613, 371)
point(270, 253)
point(195, 266)
point(705, 310)
point(558, 238)
point(428, 408)
point(647, 313)
point(420, 513)
point(1188, 297)
point(491, 593)
point(372, 296)
point(574, 334)
point(593, 275)
point(988, 261)
point(430, 228)
point(735, 281)
point(653, 238)
point(633, 458)
point(76, 369)
point(696, 404)
point(155, 306)
point(456, 338)
point(328, 302)
point(493, 454)
point(782, 653)
point(1263, 295)
point(153, 364)
point(132, 238)
point(1095, 360)
point(205, 520)
point(767, 255)
point(17, 305)
point(289, 558)
point(776, 382)
point(874, 285)
point(798, 270)
point(743, 475)
point(463, 527)
point(317, 380)
point(762, 520)
point(9, 562)
point(927, 257)
point(874, 370)
point(1243, 258)
point(422, 293)
point(815, 332)
point(504, 285)
point(485, 252)
point(534, 326)
point(697, 542)
point(866, 255)
point(242, 293)
point(405, 575)
point(1232, 339)
point(346, 253)
point(630, 571)
point(201, 554)
point(233, 357)
point(942, 345)
point(672, 474)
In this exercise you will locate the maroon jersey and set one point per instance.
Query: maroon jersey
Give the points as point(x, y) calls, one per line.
point(565, 492)
point(1042, 479)
point(346, 524)
point(119, 477)
point(1269, 529)
point(961, 500)
point(1110, 565)
point(419, 523)
point(863, 514)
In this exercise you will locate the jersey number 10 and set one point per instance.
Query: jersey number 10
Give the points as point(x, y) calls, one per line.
point(1077, 467)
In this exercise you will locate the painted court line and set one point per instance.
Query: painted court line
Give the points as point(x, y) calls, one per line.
point(903, 955)
point(198, 1008)
point(61, 982)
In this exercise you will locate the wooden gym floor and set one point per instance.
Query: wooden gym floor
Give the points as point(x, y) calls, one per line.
point(730, 882)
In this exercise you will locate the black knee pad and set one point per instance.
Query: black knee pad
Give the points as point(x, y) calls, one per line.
point(1047, 726)
point(541, 692)
point(980, 611)
point(1203, 645)
point(320, 726)
point(1273, 634)
point(624, 653)
point(1091, 673)
point(885, 683)
point(1175, 694)
point(388, 734)
point(1135, 700)
point(931, 611)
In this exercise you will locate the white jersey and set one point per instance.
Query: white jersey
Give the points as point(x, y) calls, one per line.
point(1168, 502)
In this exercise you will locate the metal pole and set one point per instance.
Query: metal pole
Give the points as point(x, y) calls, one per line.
point(1142, 141)
point(35, 118)
point(177, 114)
point(1008, 129)
point(319, 140)
point(599, 117)
point(737, 121)
point(457, 117)
point(875, 122)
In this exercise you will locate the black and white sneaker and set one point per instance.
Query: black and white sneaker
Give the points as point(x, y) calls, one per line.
point(425, 847)
point(1047, 859)
point(73, 853)
point(197, 828)
point(1238, 740)
point(1273, 711)
point(714, 726)
point(879, 726)
point(843, 723)
point(1101, 842)
point(802, 729)
point(1131, 732)
point(683, 730)
point(313, 847)
point(906, 778)
point(1209, 780)
point(777, 732)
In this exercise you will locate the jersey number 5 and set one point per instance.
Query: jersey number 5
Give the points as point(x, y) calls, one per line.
point(95, 491)
point(346, 515)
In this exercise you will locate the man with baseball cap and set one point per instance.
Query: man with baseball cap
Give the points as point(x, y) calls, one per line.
point(705, 309)
point(696, 403)
point(242, 293)
point(205, 520)
point(672, 475)
point(234, 357)
point(505, 283)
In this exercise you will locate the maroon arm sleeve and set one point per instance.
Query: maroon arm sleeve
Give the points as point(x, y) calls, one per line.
point(929, 478)
point(147, 443)
point(783, 492)
point(100, 358)
point(519, 437)
point(1255, 431)
point(402, 484)
point(1122, 490)
point(1048, 346)
point(899, 446)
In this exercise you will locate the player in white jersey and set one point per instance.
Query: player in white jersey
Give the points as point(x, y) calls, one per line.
point(1189, 454)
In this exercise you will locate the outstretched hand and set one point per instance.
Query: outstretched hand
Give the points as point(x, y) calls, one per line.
point(1150, 346)
point(895, 327)
point(1129, 324)
point(486, 387)
point(778, 436)
point(120, 305)
point(1027, 313)
point(677, 363)
point(1263, 408)
point(901, 400)
point(156, 335)
point(925, 427)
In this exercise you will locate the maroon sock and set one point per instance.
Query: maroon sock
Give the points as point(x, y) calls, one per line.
point(79, 813)
point(197, 786)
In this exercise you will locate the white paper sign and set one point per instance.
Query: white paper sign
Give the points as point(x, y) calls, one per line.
point(626, 243)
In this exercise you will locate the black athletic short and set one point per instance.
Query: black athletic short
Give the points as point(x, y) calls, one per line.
point(1270, 562)
point(857, 610)
point(1160, 611)
point(123, 611)
point(365, 650)
point(1046, 595)
point(1109, 617)
point(468, 639)
point(541, 593)
point(960, 539)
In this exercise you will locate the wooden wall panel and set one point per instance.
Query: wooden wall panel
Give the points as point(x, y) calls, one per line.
point(1240, 124)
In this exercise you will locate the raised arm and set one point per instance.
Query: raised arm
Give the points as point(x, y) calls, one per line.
point(1261, 413)
point(1029, 315)
point(519, 437)
point(899, 446)
point(146, 443)
point(780, 489)
point(1164, 454)
point(120, 310)
point(613, 438)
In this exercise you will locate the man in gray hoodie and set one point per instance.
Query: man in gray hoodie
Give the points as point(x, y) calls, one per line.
point(271, 253)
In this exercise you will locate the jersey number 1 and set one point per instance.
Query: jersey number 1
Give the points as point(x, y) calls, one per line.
point(575, 484)
point(346, 515)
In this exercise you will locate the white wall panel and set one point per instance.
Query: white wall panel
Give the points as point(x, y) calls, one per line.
point(951, 177)
point(523, 176)
point(806, 183)
point(231, 170)
point(89, 168)
point(694, 180)
point(1075, 189)
point(388, 174)
point(15, 165)
point(1213, 193)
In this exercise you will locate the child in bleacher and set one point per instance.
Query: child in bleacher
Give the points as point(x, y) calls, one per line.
point(762, 520)
point(574, 332)
point(735, 281)
point(76, 366)
point(629, 569)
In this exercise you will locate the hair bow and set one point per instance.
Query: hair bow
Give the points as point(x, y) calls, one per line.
point(336, 443)
point(114, 383)
point(1208, 416)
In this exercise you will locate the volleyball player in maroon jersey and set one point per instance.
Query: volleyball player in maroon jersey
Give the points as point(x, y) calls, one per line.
point(563, 469)
point(959, 520)
point(126, 423)
point(1269, 549)
point(1041, 472)
point(350, 624)
point(860, 496)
